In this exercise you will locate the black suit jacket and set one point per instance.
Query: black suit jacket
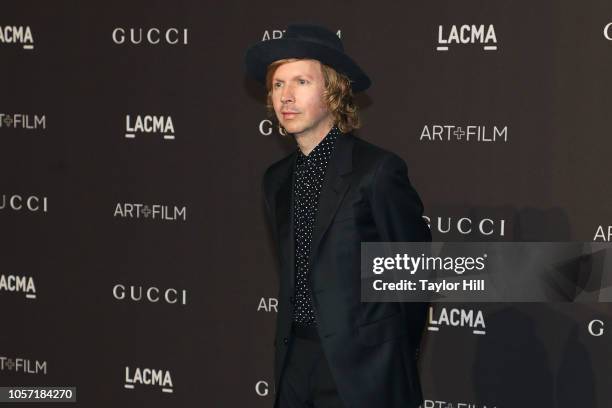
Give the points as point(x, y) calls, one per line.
point(366, 197)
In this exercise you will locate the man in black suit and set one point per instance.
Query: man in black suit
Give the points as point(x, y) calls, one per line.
point(334, 192)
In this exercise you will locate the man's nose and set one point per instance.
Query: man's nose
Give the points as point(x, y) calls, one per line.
point(287, 94)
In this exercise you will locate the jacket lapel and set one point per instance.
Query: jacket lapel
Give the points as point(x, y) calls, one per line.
point(284, 223)
point(335, 186)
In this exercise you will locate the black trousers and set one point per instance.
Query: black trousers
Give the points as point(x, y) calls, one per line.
point(307, 381)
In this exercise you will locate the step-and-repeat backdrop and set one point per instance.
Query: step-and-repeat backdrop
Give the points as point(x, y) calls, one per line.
point(136, 263)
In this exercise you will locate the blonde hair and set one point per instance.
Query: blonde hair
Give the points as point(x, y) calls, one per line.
point(337, 94)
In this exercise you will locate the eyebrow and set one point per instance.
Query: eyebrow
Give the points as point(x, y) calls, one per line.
point(295, 77)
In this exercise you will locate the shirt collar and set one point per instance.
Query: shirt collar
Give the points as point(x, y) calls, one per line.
point(322, 150)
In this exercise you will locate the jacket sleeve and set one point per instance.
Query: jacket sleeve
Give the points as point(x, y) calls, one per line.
point(397, 211)
point(396, 206)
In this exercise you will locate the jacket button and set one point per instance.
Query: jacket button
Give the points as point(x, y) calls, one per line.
point(291, 299)
point(285, 341)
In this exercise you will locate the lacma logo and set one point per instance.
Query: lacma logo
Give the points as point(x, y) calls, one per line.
point(483, 35)
point(471, 318)
point(18, 284)
point(148, 376)
point(17, 35)
point(149, 124)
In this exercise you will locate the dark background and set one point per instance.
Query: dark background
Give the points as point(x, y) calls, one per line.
point(548, 83)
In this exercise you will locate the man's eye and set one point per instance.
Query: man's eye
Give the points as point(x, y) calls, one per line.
point(302, 81)
point(277, 85)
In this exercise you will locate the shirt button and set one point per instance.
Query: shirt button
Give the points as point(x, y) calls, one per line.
point(285, 341)
point(291, 299)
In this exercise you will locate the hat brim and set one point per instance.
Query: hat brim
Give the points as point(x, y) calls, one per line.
point(261, 55)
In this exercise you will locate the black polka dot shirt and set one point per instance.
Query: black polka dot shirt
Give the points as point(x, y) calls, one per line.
point(308, 178)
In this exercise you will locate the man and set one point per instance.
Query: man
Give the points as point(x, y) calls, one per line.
point(334, 192)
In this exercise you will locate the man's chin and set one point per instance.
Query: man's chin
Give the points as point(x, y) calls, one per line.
point(293, 129)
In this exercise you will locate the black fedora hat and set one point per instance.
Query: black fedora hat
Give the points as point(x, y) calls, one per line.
point(305, 41)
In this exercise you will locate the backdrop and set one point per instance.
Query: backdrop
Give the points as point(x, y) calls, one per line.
point(136, 263)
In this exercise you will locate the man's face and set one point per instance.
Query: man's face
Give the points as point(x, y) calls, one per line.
point(297, 97)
